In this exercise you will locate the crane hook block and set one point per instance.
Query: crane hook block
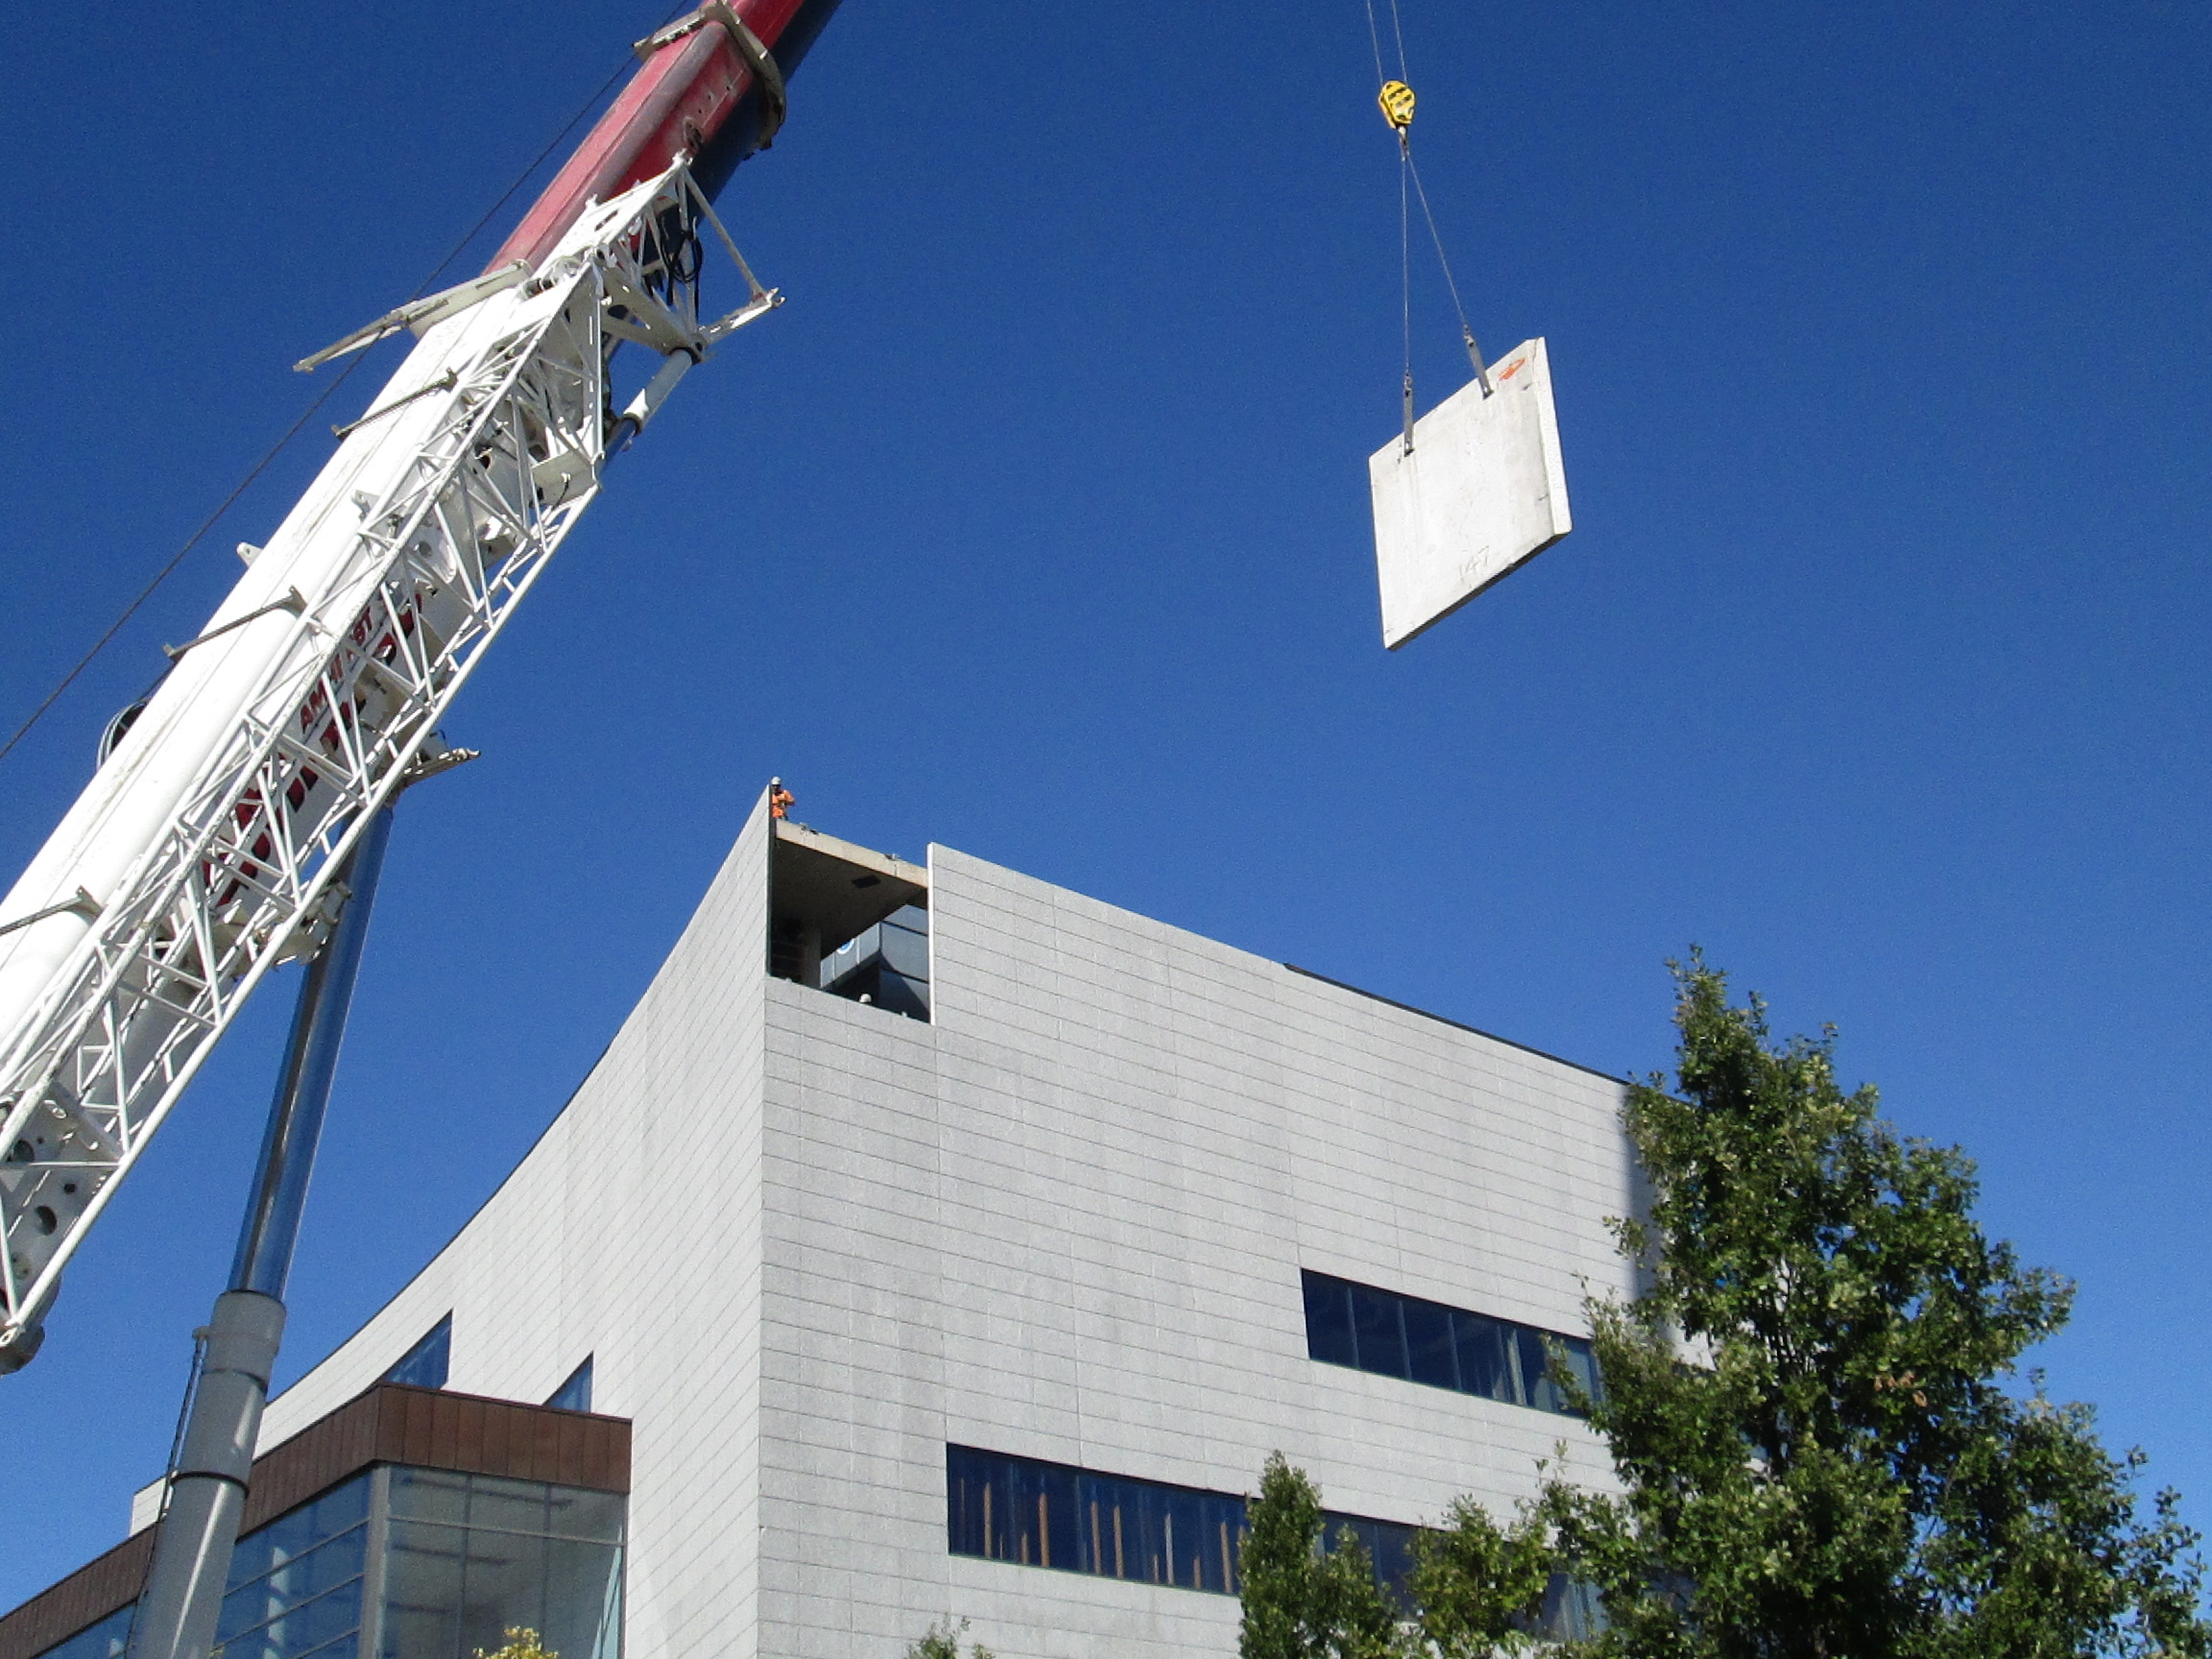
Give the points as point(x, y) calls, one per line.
point(1397, 100)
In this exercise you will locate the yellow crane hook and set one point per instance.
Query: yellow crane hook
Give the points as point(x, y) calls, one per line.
point(1397, 100)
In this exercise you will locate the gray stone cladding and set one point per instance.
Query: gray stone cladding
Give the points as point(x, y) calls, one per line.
point(809, 1243)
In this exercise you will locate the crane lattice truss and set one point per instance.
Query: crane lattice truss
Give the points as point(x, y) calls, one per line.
point(452, 494)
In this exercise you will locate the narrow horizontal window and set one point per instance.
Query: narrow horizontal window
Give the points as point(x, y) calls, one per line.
point(1037, 1514)
point(1380, 1331)
point(1030, 1513)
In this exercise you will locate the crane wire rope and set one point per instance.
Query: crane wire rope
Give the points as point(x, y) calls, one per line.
point(308, 414)
point(1401, 121)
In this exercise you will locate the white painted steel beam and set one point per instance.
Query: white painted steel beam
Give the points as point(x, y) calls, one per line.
point(199, 856)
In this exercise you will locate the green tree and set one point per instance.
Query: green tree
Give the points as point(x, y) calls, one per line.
point(1811, 1406)
point(942, 1641)
point(1479, 1586)
point(523, 1643)
point(1300, 1600)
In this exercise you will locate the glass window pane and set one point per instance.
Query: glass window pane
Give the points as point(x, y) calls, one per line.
point(1428, 1352)
point(1535, 1365)
point(1072, 1520)
point(1018, 1486)
point(423, 1579)
point(1571, 1611)
point(1483, 1366)
point(299, 1530)
point(301, 1628)
point(1123, 1555)
point(1328, 1321)
point(504, 1584)
point(581, 1587)
point(425, 1364)
point(1184, 1544)
point(1581, 1363)
point(451, 1589)
point(1224, 1536)
point(575, 1394)
point(575, 1512)
point(335, 1563)
point(430, 1494)
point(1393, 1548)
point(901, 994)
point(1377, 1332)
point(507, 1505)
point(1093, 1520)
point(1057, 1528)
point(965, 1475)
point(104, 1639)
point(905, 952)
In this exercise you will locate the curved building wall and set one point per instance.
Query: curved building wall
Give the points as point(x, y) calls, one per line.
point(809, 1244)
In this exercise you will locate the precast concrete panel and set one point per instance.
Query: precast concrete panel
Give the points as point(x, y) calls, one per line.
point(1481, 492)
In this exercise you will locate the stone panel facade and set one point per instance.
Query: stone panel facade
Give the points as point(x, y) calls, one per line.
point(807, 1242)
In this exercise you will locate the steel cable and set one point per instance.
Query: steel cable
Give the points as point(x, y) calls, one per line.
point(1408, 173)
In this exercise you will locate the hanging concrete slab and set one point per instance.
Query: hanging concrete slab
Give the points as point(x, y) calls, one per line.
point(1483, 492)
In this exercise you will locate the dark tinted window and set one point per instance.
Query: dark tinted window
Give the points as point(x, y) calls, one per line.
point(1038, 1514)
point(1374, 1330)
point(426, 1363)
point(1031, 1513)
point(1484, 1367)
point(104, 1640)
point(1535, 1370)
point(1390, 1547)
point(1375, 1325)
point(575, 1394)
point(1581, 1364)
point(1429, 1355)
point(1328, 1321)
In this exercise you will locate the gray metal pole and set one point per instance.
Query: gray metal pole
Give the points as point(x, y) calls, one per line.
point(272, 1226)
point(178, 1613)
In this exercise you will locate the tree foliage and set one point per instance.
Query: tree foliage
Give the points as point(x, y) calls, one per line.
point(1480, 1587)
point(1811, 1406)
point(1824, 1446)
point(523, 1643)
point(1301, 1602)
point(942, 1641)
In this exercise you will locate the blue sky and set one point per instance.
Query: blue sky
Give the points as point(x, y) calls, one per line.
point(1036, 524)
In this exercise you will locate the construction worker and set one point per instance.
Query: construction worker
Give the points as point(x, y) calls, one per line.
point(779, 799)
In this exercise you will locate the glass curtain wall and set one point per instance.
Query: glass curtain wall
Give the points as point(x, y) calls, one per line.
point(296, 1584)
point(406, 1563)
point(470, 1557)
point(106, 1640)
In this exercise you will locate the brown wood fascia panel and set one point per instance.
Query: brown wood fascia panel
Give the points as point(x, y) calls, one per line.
point(391, 1423)
point(84, 1599)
